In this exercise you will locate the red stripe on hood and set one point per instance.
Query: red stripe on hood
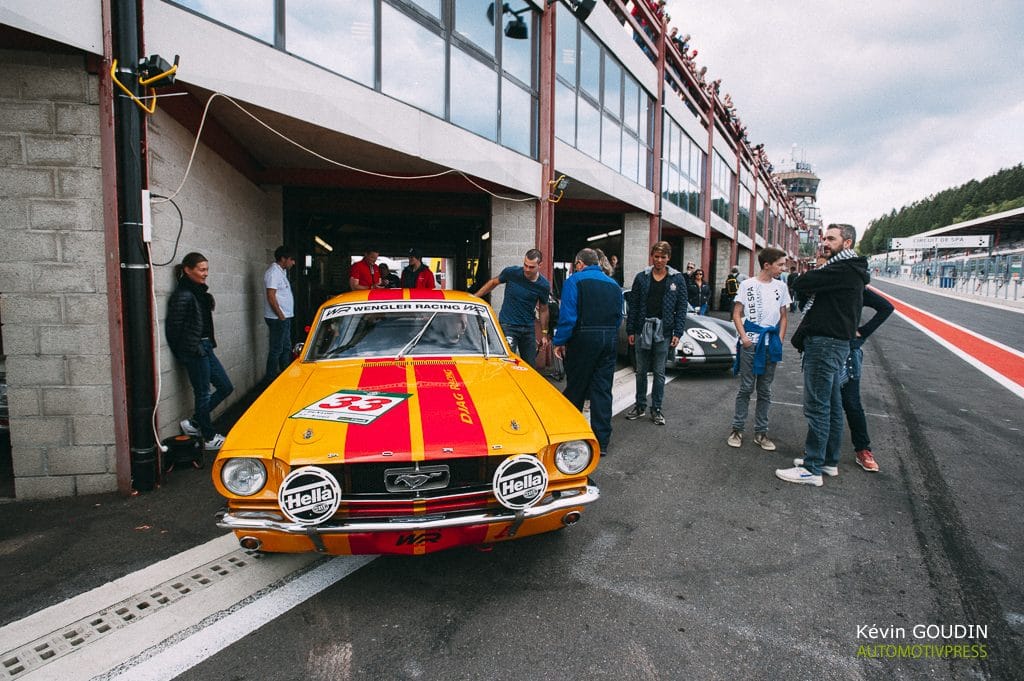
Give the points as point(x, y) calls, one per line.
point(427, 293)
point(447, 412)
point(390, 432)
point(385, 294)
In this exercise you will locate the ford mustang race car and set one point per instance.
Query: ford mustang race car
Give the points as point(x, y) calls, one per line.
point(707, 342)
point(405, 426)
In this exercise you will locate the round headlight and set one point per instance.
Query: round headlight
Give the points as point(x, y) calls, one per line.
point(687, 349)
point(243, 477)
point(573, 456)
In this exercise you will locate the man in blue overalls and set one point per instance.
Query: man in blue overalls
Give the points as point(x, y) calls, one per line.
point(585, 339)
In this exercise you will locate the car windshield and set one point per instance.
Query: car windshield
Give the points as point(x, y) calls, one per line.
point(406, 328)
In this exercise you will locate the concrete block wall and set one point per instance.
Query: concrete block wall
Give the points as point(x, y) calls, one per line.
point(636, 245)
point(236, 225)
point(746, 261)
point(53, 298)
point(693, 248)
point(513, 233)
point(723, 263)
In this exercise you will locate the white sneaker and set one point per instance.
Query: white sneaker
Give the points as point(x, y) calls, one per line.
point(189, 428)
point(214, 443)
point(830, 471)
point(798, 475)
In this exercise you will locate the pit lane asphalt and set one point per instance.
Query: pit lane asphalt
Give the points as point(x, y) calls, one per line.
point(696, 563)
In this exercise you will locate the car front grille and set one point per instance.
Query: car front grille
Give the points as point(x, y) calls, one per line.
point(367, 481)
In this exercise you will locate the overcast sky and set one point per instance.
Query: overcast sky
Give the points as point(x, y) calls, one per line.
point(890, 100)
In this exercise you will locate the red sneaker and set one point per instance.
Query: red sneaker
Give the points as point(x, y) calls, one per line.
point(867, 461)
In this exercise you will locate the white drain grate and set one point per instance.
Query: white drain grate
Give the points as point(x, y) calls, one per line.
point(17, 663)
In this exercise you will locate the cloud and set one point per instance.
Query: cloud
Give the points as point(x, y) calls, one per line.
point(891, 101)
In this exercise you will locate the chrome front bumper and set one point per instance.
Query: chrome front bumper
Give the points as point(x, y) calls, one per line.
point(273, 522)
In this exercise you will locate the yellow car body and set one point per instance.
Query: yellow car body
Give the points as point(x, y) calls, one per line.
point(405, 426)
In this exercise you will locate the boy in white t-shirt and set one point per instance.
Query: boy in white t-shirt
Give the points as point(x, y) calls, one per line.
point(759, 313)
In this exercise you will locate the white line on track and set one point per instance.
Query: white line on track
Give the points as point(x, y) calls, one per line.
point(793, 404)
point(1010, 385)
point(166, 662)
point(969, 332)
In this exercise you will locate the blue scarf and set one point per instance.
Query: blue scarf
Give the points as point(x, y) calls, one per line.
point(768, 347)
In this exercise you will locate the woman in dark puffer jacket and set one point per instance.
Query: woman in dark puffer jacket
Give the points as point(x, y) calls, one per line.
point(699, 293)
point(189, 327)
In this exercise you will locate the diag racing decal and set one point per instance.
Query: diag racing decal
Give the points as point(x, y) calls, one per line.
point(702, 335)
point(352, 406)
point(309, 495)
point(520, 482)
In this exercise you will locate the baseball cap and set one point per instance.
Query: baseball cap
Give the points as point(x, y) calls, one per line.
point(414, 253)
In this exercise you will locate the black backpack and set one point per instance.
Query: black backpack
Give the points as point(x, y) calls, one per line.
point(732, 285)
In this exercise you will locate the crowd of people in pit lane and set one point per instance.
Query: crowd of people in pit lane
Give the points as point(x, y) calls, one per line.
point(829, 337)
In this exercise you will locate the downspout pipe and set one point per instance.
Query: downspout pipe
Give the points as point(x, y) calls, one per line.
point(135, 267)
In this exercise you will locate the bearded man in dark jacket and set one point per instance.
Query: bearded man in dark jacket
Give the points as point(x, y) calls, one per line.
point(835, 294)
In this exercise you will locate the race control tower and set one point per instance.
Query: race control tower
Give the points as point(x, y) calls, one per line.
point(802, 184)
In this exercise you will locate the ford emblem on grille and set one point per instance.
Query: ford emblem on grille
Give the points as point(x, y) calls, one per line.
point(416, 479)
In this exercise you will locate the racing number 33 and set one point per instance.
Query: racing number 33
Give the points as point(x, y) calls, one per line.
point(351, 406)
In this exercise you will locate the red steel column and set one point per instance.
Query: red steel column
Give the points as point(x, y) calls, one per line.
point(659, 115)
point(734, 214)
point(705, 256)
point(545, 236)
point(112, 254)
point(753, 224)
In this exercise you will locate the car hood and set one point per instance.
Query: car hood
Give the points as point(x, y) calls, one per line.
point(725, 330)
point(401, 411)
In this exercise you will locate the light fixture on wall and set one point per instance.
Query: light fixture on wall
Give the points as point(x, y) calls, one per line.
point(323, 244)
point(517, 28)
point(556, 188)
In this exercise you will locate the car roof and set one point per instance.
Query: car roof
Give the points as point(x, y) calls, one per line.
point(402, 294)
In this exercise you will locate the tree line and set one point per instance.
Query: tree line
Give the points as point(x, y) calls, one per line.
point(994, 194)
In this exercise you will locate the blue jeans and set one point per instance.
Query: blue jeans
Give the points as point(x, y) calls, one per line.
point(823, 403)
point(523, 340)
point(652, 359)
point(851, 398)
point(279, 353)
point(589, 370)
point(205, 370)
point(748, 382)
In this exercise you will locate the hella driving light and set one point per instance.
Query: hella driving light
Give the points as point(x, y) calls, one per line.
point(243, 477)
point(572, 457)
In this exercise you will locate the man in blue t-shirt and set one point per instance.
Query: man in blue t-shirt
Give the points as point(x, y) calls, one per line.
point(526, 290)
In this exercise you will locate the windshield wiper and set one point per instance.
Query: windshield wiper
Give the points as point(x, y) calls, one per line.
point(415, 339)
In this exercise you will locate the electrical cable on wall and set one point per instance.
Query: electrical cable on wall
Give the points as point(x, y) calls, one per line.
point(156, 348)
point(158, 199)
point(202, 123)
point(177, 239)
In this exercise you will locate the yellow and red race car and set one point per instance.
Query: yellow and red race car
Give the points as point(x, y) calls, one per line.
point(405, 426)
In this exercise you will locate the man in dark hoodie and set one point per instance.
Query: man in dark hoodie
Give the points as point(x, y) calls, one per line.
point(831, 316)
